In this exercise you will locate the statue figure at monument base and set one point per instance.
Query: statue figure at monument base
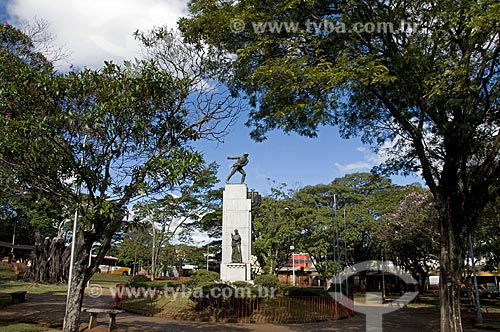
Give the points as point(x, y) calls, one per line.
point(236, 246)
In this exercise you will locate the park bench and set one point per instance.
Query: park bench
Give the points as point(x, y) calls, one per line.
point(93, 312)
point(18, 297)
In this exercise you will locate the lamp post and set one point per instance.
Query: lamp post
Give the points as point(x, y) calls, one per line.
point(208, 253)
point(13, 237)
point(73, 236)
point(292, 248)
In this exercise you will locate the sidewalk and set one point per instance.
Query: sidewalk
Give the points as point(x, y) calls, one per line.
point(48, 310)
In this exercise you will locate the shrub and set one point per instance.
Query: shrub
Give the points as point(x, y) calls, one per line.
point(302, 291)
point(267, 280)
point(202, 278)
point(241, 284)
point(221, 300)
point(139, 281)
point(143, 281)
point(282, 289)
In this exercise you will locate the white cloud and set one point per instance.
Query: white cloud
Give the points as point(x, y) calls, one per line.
point(97, 30)
point(353, 167)
point(369, 159)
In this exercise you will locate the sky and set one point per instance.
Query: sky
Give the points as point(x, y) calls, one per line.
point(94, 31)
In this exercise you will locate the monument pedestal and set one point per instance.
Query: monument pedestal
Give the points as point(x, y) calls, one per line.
point(233, 272)
point(236, 215)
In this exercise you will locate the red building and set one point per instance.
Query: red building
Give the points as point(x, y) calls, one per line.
point(300, 260)
point(305, 272)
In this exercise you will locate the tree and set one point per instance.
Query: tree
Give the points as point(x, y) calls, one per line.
point(364, 198)
point(30, 69)
point(429, 95)
point(43, 41)
point(487, 243)
point(21, 217)
point(308, 219)
point(338, 222)
point(134, 248)
point(211, 223)
point(273, 229)
point(97, 139)
point(410, 235)
point(176, 215)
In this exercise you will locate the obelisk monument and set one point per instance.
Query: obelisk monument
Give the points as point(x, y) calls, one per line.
point(236, 226)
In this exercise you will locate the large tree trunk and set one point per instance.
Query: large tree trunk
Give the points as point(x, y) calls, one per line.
point(75, 299)
point(80, 275)
point(452, 223)
point(49, 260)
point(81, 271)
point(422, 276)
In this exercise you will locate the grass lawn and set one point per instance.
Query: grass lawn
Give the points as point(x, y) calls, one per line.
point(108, 280)
point(22, 327)
point(32, 287)
point(9, 284)
point(6, 272)
point(5, 301)
point(172, 305)
point(490, 325)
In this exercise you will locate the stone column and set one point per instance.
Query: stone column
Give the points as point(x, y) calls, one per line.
point(236, 214)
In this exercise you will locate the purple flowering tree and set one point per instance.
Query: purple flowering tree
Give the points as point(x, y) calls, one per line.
point(410, 236)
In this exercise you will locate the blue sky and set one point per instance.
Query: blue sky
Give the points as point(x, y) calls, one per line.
point(97, 30)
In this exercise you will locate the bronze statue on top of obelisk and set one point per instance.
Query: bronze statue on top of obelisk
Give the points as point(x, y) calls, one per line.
point(241, 162)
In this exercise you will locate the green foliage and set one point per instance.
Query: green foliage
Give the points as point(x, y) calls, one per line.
point(240, 284)
point(486, 239)
point(135, 246)
point(172, 216)
point(5, 301)
point(272, 219)
point(203, 278)
point(212, 221)
point(171, 283)
point(22, 327)
point(305, 291)
point(143, 281)
point(220, 300)
point(427, 98)
point(138, 281)
point(267, 280)
point(97, 140)
point(308, 219)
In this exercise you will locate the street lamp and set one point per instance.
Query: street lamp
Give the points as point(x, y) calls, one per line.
point(292, 248)
point(208, 253)
point(73, 235)
point(13, 237)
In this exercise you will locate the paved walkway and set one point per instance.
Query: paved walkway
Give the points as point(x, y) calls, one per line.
point(48, 309)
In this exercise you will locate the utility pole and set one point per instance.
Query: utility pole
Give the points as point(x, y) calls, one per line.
point(335, 242)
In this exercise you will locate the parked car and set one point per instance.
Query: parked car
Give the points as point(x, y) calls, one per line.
point(483, 291)
point(486, 293)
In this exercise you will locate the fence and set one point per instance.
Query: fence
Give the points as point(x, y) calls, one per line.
point(278, 309)
point(283, 309)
